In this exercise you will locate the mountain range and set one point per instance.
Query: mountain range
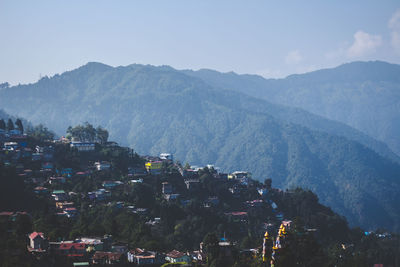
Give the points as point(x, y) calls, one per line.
point(363, 95)
point(203, 120)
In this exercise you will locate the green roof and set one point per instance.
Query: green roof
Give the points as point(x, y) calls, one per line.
point(58, 192)
point(81, 263)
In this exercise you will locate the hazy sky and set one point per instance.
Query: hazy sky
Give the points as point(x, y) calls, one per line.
point(271, 38)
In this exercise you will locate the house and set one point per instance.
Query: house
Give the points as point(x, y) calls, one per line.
point(166, 156)
point(47, 165)
point(91, 244)
point(70, 212)
point(262, 191)
point(66, 172)
point(10, 145)
point(254, 203)
point(189, 173)
point(81, 174)
point(140, 256)
point(36, 156)
point(111, 184)
point(135, 181)
point(57, 180)
point(211, 201)
point(37, 242)
point(119, 247)
point(198, 256)
point(99, 195)
point(239, 175)
point(63, 205)
point(59, 195)
point(41, 190)
point(287, 224)
point(177, 256)
point(102, 257)
point(137, 171)
point(14, 132)
point(237, 216)
point(154, 167)
point(102, 165)
point(83, 146)
point(166, 188)
point(71, 249)
point(192, 184)
point(169, 197)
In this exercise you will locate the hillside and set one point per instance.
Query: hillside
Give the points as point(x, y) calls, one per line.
point(363, 95)
point(121, 210)
point(159, 109)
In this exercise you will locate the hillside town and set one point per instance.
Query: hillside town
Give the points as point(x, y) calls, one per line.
point(75, 178)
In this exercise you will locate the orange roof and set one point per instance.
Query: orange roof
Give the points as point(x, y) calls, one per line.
point(36, 234)
point(175, 254)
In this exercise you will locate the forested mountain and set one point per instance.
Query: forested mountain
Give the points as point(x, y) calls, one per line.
point(159, 109)
point(363, 95)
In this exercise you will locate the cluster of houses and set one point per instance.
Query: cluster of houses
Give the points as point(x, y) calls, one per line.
point(102, 250)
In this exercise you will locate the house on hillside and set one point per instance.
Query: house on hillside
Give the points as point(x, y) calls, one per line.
point(166, 188)
point(137, 171)
point(59, 195)
point(40, 190)
point(166, 157)
point(192, 184)
point(140, 257)
point(71, 249)
point(102, 257)
point(237, 216)
point(111, 184)
point(102, 165)
point(37, 242)
point(177, 256)
point(83, 146)
point(154, 167)
point(239, 175)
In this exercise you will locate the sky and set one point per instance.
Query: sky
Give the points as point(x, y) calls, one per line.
point(269, 38)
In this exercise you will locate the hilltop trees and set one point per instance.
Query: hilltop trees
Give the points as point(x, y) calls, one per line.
point(10, 125)
point(19, 125)
point(87, 133)
point(41, 133)
point(2, 124)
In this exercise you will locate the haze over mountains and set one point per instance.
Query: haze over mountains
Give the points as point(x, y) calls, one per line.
point(364, 95)
point(190, 114)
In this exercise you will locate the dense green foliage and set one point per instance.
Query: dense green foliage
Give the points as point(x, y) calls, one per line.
point(159, 109)
point(183, 225)
point(364, 95)
point(87, 133)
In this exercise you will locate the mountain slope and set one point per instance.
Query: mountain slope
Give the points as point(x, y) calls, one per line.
point(159, 109)
point(363, 95)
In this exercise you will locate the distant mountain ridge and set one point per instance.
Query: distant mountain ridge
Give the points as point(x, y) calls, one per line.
point(159, 109)
point(363, 95)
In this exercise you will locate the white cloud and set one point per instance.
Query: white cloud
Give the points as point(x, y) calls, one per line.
point(394, 25)
point(364, 43)
point(293, 57)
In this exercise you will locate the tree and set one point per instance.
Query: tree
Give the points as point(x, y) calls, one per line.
point(86, 133)
point(2, 124)
point(41, 133)
point(19, 125)
point(268, 183)
point(101, 135)
point(10, 125)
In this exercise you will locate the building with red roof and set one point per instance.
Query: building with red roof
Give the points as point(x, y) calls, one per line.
point(72, 249)
point(37, 242)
